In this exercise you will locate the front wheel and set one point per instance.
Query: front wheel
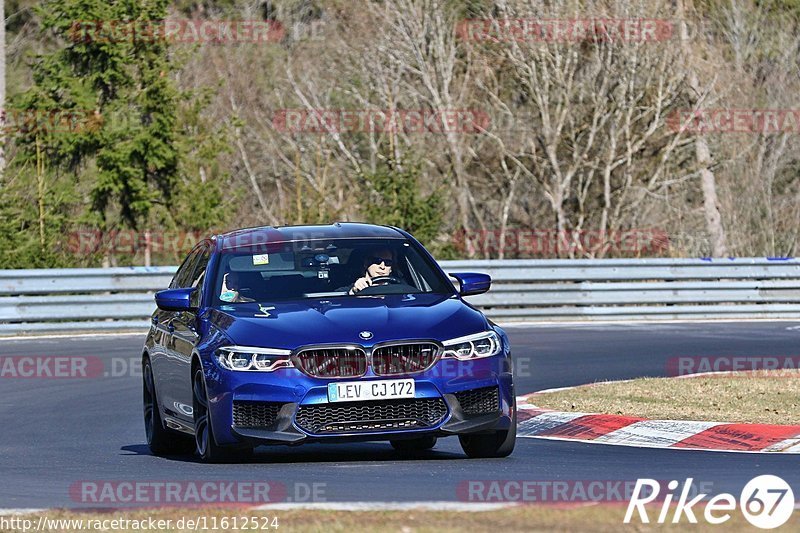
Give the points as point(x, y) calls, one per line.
point(160, 440)
point(207, 447)
point(497, 444)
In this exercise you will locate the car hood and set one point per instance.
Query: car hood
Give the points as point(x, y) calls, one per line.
point(295, 323)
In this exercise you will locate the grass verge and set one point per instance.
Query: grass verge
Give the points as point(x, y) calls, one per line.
point(761, 397)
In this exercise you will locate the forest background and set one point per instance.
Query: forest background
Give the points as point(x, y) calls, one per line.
point(488, 129)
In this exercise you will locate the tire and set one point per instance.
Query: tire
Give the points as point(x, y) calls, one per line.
point(414, 445)
point(205, 444)
point(498, 444)
point(160, 440)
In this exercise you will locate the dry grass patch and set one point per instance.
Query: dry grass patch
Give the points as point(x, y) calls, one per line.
point(764, 397)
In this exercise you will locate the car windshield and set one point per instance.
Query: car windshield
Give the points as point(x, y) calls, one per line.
point(326, 268)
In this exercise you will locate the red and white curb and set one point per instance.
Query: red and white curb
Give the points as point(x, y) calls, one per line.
point(639, 432)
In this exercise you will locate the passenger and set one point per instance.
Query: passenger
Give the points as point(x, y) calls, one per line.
point(231, 285)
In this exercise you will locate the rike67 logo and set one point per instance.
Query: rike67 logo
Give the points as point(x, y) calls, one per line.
point(766, 502)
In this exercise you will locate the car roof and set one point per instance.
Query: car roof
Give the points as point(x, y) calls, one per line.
point(258, 236)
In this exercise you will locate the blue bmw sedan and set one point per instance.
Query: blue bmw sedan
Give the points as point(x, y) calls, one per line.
point(330, 333)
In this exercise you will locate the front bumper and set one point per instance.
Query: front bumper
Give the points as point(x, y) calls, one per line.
point(292, 395)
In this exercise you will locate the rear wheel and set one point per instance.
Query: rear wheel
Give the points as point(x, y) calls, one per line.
point(497, 444)
point(206, 445)
point(160, 440)
point(414, 445)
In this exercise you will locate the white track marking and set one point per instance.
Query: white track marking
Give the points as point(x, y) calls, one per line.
point(545, 422)
point(561, 389)
point(637, 322)
point(73, 336)
point(789, 445)
point(524, 323)
point(522, 403)
point(656, 433)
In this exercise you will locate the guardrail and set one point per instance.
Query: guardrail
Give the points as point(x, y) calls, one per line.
point(540, 289)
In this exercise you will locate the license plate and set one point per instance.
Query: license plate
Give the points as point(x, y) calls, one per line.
point(358, 391)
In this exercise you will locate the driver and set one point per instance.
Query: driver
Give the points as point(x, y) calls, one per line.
point(376, 264)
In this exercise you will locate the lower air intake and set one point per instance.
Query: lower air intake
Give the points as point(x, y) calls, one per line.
point(479, 401)
point(256, 415)
point(353, 417)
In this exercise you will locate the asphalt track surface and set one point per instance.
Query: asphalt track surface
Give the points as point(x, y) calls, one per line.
point(54, 433)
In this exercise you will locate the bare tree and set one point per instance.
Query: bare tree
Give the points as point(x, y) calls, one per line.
point(577, 140)
point(2, 90)
point(589, 117)
point(708, 181)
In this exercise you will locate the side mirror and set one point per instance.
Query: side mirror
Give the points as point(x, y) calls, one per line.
point(176, 299)
point(472, 283)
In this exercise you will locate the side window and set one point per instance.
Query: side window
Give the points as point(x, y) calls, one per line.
point(183, 275)
point(419, 281)
point(423, 273)
point(200, 269)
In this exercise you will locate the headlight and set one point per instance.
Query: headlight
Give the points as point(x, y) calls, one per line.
point(475, 346)
point(252, 358)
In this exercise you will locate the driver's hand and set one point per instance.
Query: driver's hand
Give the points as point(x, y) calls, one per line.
point(361, 284)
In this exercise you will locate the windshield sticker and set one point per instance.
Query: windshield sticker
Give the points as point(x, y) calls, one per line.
point(261, 259)
point(227, 296)
point(264, 311)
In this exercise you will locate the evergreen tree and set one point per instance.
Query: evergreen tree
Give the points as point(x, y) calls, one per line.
point(118, 85)
point(393, 197)
point(106, 140)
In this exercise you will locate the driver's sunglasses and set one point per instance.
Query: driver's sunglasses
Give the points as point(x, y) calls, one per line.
point(379, 260)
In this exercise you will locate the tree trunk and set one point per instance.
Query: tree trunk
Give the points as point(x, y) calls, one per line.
point(708, 181)
point(40, 191)
point(711, 209)
point(2, 90)
point(147, 248)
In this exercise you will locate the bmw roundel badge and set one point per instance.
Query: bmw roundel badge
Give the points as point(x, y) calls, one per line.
point(366, 335)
